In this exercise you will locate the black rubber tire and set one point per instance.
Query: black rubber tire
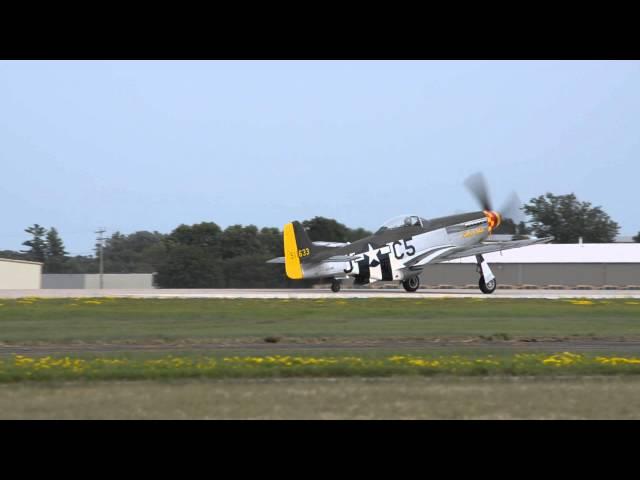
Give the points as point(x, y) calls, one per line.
point(335, 286)
point(411, 284)
point(484, 288)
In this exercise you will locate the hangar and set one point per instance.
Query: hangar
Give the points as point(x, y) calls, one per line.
point(600, 265)
point(20, 275)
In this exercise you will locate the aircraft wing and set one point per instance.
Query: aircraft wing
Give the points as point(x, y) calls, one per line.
point(489, 247)
point(448, 252)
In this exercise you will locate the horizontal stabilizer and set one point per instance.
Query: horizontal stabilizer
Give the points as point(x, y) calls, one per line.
point(330, 244)
point(340, 258)
point(276, 260)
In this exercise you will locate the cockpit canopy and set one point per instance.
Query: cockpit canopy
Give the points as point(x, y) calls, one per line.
point(403, 221)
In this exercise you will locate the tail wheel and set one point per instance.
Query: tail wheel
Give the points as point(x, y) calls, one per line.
point(335, 286)
point(489, 287)
point(412, 284)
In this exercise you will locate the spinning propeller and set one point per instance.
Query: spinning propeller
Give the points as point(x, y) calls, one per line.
point(511, 208)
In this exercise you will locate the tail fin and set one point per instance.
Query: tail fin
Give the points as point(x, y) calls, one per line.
point(297, 248)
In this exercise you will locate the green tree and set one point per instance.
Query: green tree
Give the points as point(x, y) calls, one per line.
point(205, 235)
point(251, 271)
point(237, 240)
point(271, 241)
point(637, 238)
point(55, 254)
point(567, 219)
point(357, 234)
point(37, 245)
point(330, 230)
point(138, 252)
point(81, 264)
point(509, 227)
point(506, 227)
point(523, 229)
point(188, 266)
point(193, 258)
point(13, 255)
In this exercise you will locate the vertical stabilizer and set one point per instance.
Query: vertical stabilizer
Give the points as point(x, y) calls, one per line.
point(293, 252)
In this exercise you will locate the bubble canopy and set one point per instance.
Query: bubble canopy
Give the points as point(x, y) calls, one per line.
point(403, 221)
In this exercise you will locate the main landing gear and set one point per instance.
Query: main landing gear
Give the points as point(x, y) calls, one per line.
point(335, 285)
point(487, 282)
point(411, 284)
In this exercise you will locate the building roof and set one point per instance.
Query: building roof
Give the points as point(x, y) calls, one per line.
point(565, 253)
point(625, 239)
point(19, 261)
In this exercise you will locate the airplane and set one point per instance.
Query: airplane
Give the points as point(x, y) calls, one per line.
point(402, 247)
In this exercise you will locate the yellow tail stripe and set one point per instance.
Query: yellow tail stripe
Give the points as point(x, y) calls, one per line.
point(291, 259)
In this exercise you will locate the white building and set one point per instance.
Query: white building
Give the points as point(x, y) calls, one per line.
point(569, 265)
point(20, 275)
point(565, 253)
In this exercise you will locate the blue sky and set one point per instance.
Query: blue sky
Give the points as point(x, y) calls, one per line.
point(147, 145)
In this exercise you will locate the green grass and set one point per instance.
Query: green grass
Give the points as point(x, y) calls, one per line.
point(25, 321)
point(350, 382)
point(345, 398)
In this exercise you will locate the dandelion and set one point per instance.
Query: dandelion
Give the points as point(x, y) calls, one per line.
point(582, 302)
point(563, 359)
point(618, 360)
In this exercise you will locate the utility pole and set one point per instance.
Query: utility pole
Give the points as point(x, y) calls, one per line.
point(100, 244)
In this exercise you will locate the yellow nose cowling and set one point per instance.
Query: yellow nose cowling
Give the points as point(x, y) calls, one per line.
point(493, 219)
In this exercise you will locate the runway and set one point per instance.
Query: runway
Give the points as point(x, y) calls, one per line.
point(315, 293)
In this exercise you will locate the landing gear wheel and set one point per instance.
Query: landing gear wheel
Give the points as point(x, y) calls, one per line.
point(335, 286)
point(411, 284)
point(487, 287)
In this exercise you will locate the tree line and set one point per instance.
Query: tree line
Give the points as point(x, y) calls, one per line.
point(204, 255)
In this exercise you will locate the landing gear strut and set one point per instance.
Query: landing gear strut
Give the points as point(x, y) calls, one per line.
point(411, 284)
point(335, 285)
point(487, 281)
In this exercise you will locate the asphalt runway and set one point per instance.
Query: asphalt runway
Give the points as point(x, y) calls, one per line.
point(318, 293)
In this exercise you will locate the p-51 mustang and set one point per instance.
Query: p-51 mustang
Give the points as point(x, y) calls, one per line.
point(401, 248)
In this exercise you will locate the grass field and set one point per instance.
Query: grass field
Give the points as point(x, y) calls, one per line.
point(305, 379)
point(350, 398)
point(33, 320)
